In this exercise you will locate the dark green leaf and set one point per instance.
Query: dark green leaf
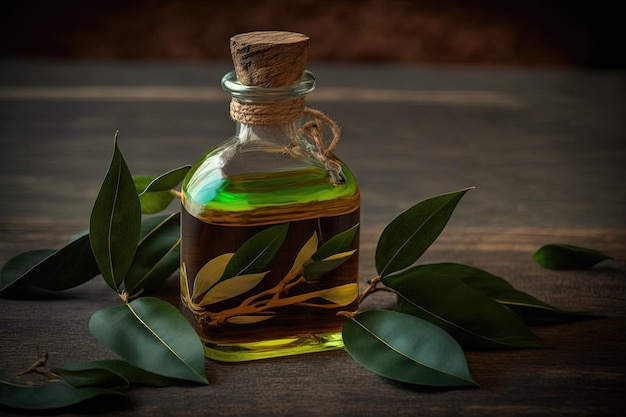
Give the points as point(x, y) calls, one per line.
point(110, 370)
point(408, 236)
point(157, 256)
point(14, 274)
point(472, 318)
point(151, 202)
point(560, 256)
point(49, 396)
point(256, 253)
point(314, 270)
point(94, 377)
point(148, 224)
point(155, 193)
point(69, 267)
point(115, 222)
point(339, 243)
point(152, 335)
point(529, 308)
point(167, 181)
point(405, 348)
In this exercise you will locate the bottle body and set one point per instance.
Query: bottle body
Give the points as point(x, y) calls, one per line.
point(269, 251)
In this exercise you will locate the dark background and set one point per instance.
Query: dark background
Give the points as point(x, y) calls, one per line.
point(580, 33)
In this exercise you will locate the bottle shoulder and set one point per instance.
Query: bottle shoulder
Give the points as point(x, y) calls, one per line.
point(247, 179)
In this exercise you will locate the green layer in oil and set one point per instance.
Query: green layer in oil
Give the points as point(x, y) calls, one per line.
point(271, 189)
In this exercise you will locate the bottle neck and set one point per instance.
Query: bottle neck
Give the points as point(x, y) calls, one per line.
point(268, 135)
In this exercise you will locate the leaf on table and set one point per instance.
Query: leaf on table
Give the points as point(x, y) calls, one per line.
point(232, 287)
point(153, 335)
point(115, 222)
point(14, 274)
point(472, 318)
point(81, 373)
point(68, 267)
point(210, 274)
point(560, 256)
point(257, 252)
point(305, 253)
point(314, 270)
point(529, 308)
point(157, 256)
point(50, 396)
point(405, 348)
point(408, 236)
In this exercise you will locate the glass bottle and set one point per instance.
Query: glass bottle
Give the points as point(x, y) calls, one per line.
point(270, 217)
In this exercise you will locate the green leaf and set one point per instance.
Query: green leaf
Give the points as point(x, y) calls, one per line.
point(529, 308)
point(68, 267)
point(232, 288)
point(257, 252)
point(49, 396)
point(153, 335)
point(14, 274)
point(157, 256)
point(151, 202)
point(408, 236)
point(115, 222)
point(155, 193)
point(167, 181)
point(94, 377)
point(110, 371)
point(313, 271)
point(472, 318)
point(337, 244)
point(405, 348)
point(560, 256)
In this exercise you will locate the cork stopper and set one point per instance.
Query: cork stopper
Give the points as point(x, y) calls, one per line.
point(269, 58)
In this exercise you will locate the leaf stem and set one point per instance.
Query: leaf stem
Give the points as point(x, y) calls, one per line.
point(35, 368)
point(372, 288)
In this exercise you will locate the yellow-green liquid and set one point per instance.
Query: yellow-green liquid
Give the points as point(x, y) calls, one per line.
point(239, 208)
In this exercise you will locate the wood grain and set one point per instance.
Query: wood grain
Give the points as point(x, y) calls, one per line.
point(547, 169)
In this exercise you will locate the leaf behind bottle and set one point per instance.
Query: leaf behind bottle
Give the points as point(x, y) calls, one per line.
point(157, 256)
point(151, 202)
point(408, 236)
point(155, 193)
point(472, 318)
point(530, 309)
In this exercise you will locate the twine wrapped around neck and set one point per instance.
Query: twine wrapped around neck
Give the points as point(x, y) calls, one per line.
point(267, 113)
point(286, 112)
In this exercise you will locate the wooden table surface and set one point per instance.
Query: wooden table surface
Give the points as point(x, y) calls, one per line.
point(546, 150)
